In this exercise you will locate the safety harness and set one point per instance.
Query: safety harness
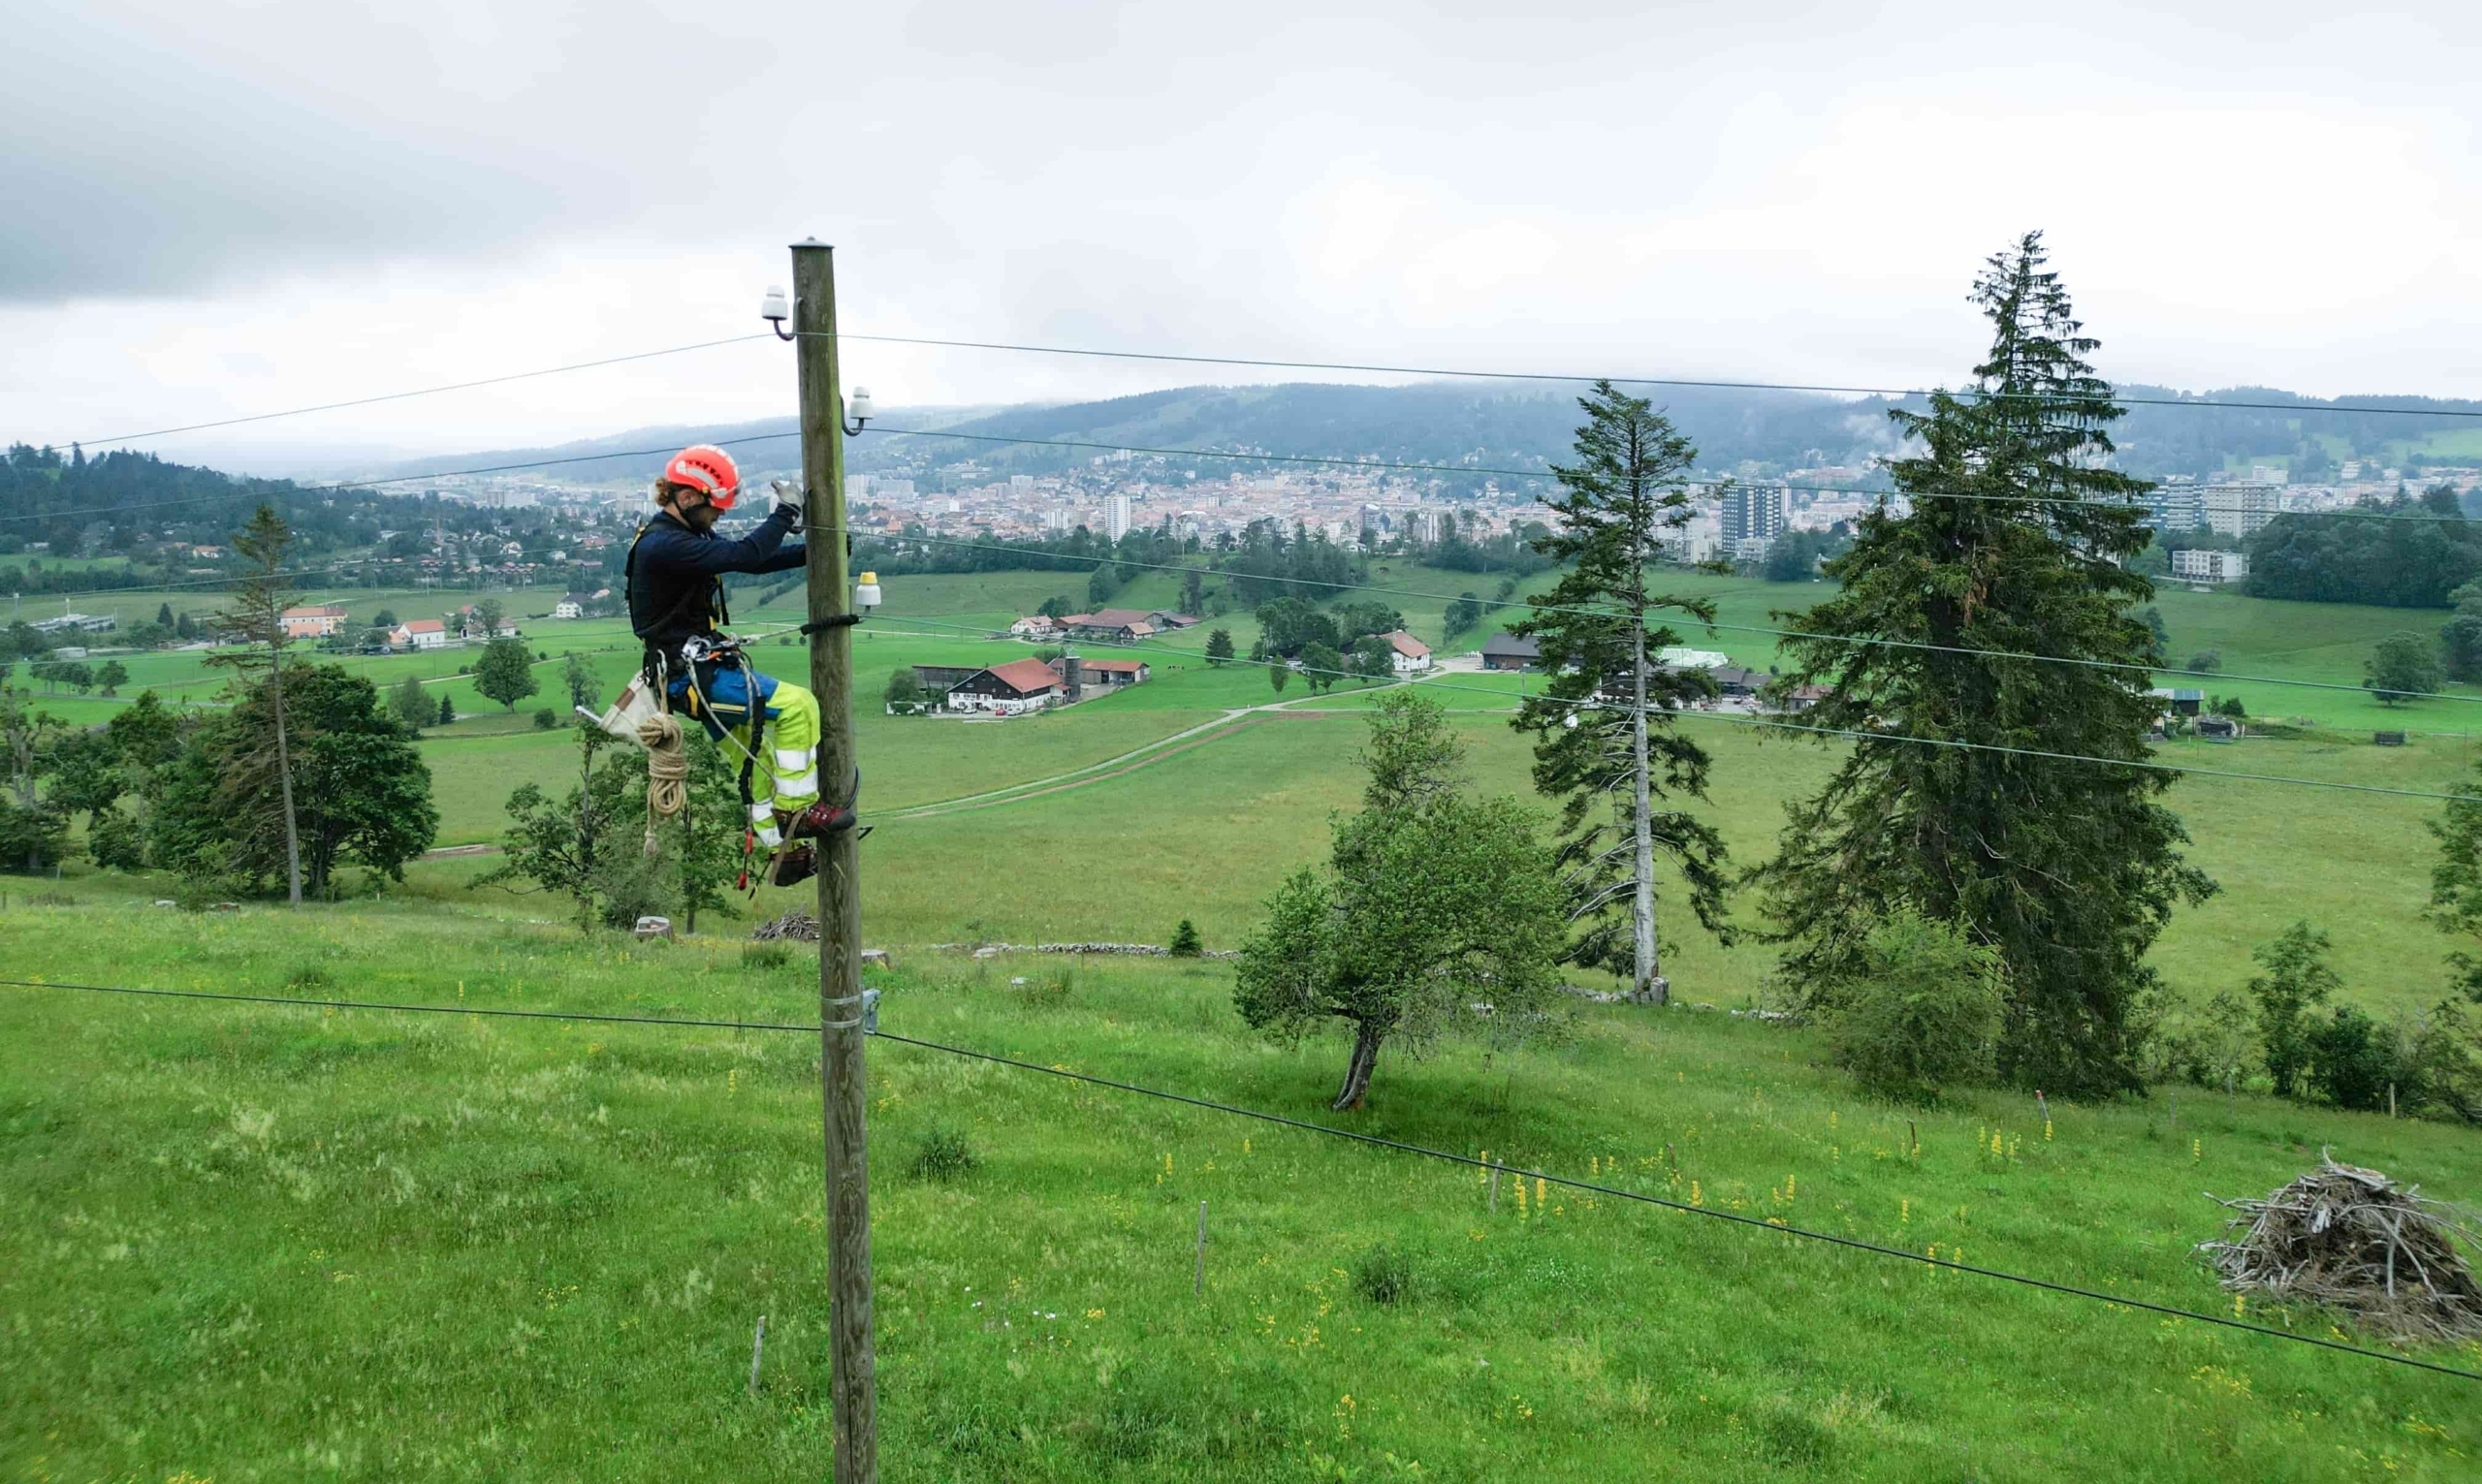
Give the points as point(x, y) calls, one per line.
point(714, 649)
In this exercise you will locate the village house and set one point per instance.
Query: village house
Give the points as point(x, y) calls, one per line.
point(1409, 656)
point(1507, 652)
point(1034, 627)
point(1106, 674)
point(572, 606)
point(419, 634)
point(323, 620)
point(1120, 625)
point(1012, 690)
point(468, 624)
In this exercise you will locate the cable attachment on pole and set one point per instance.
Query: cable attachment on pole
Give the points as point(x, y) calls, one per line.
point(830, 621)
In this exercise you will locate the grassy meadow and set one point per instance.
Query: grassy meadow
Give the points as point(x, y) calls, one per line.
point(251, 1243)
point(256, 1243)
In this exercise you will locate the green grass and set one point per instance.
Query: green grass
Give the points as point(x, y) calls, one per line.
point(258, 1243)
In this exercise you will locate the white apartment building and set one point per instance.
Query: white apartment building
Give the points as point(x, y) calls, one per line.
point(2241, 510)
point(2197, 566)
point(1115, 516)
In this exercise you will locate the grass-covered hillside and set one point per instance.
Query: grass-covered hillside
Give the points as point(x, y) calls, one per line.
point(256, 1243)
point(263, 1243)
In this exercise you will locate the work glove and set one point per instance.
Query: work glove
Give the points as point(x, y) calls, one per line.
point(784, 494)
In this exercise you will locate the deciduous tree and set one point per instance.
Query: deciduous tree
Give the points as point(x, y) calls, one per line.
point(505, 673)
point(1435, 911)
point(2404, 667)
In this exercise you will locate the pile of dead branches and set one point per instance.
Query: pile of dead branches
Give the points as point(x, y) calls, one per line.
point(796, 927)
point(2357, 1242)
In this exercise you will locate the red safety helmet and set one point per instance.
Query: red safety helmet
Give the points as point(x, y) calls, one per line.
point(705, 467)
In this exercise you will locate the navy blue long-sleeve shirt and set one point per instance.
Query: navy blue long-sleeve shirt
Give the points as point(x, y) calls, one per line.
point(673, 573)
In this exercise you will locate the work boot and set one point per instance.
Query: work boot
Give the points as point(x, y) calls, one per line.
point(819, 821)
point(793, 863)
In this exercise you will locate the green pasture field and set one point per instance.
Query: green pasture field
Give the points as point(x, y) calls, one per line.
point(261, 1243)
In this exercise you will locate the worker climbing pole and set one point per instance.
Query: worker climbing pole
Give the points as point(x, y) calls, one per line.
point(694, 665)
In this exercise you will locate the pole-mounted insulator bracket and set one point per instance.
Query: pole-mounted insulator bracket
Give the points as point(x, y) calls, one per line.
point(830, 621)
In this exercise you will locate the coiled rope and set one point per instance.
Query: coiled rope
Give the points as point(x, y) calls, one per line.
point(668, 774)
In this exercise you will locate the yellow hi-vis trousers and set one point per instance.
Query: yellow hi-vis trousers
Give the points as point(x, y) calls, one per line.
point(785, 776)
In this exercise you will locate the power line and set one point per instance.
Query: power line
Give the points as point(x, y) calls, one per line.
point(412, 479)
point(1624, 381)
point(1715, 626)
point(1615, 1192)
point(2357, 512)
point(398, 396)
point(408, 1009)
point(1852, 734)
point(1304, 1125)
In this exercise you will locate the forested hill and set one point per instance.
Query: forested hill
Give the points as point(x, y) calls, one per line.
point(1515, 425)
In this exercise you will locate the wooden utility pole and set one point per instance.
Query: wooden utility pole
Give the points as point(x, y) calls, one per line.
point(853, 1390)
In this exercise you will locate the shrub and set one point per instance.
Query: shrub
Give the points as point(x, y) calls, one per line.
point(116, 840)
point(942, 1154)
point(765, 956)
point(1922, 1010)
point(2353, 1060)
point(546, 720)
point(2297, 977)
point(1047, 990)
point(1185, 940)
point(2446, 1050)
point(1383, 1275)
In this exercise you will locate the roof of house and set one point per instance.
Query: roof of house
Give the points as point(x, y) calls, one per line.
point(315, 611)
point(1734, 674)
point(2180, 693)
point(1406, 644)
point(425, 627)
point(1110, 665)
point(1117, 617)
point(1025, 677)
point(1510, 643)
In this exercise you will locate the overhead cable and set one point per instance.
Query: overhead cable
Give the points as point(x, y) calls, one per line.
point(1686, 623)
point(1569, 379)
point(398, 396)
point(1303, 1126)
point(1850, 733)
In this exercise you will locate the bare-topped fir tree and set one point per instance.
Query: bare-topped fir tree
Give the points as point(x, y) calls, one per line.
point(1604, 743)
point(2015, 545)
point(256, 617)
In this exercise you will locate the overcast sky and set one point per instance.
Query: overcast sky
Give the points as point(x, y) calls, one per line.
point(229, 207)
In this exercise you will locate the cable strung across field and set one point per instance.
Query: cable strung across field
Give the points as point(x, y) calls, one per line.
point(398, 396)
point(1687, 621)
point(1852, 734)
point(1619, 381)
point(1304, 1125)
point(2354, 511)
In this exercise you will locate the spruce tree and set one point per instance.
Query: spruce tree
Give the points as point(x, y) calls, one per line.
point(1604, 740)
point(2016, 542)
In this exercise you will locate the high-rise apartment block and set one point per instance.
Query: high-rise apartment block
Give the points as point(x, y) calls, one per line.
point(2241, 510)
point(1753, 513)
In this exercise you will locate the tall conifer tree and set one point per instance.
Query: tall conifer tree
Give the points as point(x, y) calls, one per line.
point(1604, 737)
point(2017, 542)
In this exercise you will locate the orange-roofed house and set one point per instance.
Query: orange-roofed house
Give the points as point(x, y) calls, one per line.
point(1407, 654)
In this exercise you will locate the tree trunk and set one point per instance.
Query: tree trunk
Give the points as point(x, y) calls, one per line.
point(1650, 988)
point(1366, 1038)
point(284, 780)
